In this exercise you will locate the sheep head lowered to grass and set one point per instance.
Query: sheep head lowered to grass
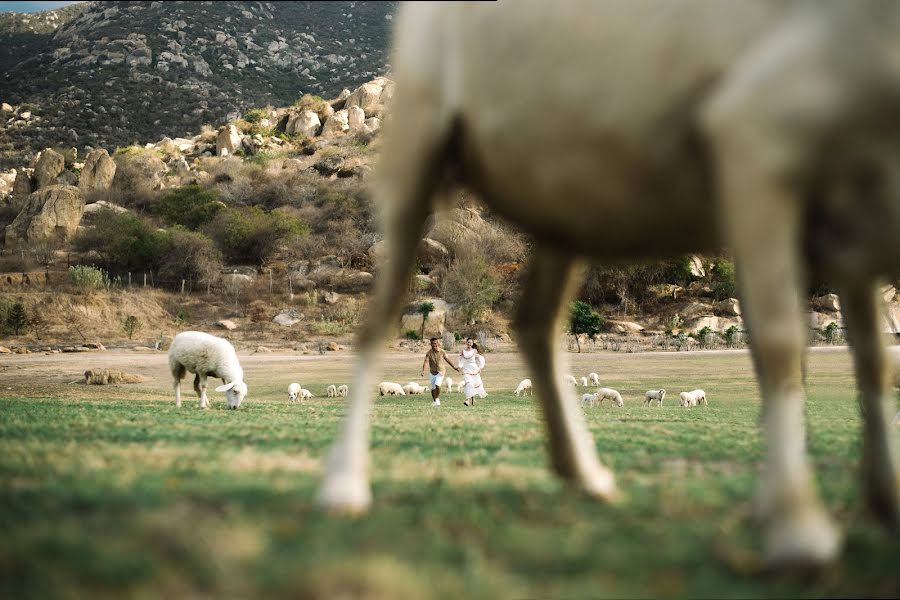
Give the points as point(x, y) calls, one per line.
point(624, 130)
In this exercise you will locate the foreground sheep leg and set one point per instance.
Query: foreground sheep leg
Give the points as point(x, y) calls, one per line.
point(406, 181)
point(881, 461)
point(200, 388)
point(549, 285)
point(762, 218)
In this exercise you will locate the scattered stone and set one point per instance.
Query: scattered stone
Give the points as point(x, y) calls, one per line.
point(288, 317)
point(226, 324)
point(262, 349)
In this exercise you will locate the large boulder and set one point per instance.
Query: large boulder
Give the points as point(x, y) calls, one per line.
point(356, 118)
point(49, 166)
point(829, 303)
point(288, 317)
point(22, 189)
point(52, 214)
point(336, 124)
point(98, 172)
point(371, 96)
point(305, 122)
point(729, 307)
point(228, 141)
point(352, 282)
point(432, 254)
point(143, 166)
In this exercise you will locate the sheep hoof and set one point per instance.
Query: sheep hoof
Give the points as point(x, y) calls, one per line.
point(345, 494)
point(804, 540)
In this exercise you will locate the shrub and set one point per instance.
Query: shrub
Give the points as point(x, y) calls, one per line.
point(723, 280)
point(190, 206)
point(256, 115)
point(832, 333)
point(123, 242)
point(412, 334)
point(190, 255)
point(472, 286)
point(251, 234)
point(17, 318)
point(88, 278)
point(131, 325)
point(583, 320)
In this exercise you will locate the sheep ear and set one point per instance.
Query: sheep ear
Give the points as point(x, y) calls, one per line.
point(226, 387)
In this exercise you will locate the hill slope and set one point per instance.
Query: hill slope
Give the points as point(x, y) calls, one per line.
point(118, 72)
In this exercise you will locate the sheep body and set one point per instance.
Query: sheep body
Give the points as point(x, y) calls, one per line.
point(449, 383)
point(570, 379)
point(594, 378)
point(293, 392)
point(711, 135)
point(584, 382)
point(693, 398)
point(523, 387)
point(305, 394)
point(342, 391)
point(603, 394)
point(657, 395)
point(413, 388)
point(389, 388)
point(206, 355)
point(331, 391)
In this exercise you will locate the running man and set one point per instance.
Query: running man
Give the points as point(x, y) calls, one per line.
point(435, 359)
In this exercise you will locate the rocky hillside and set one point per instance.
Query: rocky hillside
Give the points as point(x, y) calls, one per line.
point(107, 74)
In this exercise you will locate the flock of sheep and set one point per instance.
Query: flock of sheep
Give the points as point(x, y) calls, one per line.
point(206, 355)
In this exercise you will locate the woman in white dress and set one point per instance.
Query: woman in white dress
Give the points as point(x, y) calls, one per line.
point(471, 363)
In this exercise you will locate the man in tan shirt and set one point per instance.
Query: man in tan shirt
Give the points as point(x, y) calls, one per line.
point(435, 359)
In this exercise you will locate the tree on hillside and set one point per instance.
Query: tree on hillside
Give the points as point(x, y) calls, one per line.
point(583, 320)
point(17, 318)
point(131, 325)
point(472, 286)
point(425, 309)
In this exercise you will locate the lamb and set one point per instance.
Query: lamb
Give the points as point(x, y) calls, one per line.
point(412, 388)
point(331, 391)
point(523, 387)
point(657, 395)
point(207, 355)
point(449, 383)
point(735, 147)
point(570, 379)
point(602, 394)
point(389, 388)
point(305, 394)
point(342, 391)
point(293, 392)
point(693, 398)
point(584, 381)
point(594, 378)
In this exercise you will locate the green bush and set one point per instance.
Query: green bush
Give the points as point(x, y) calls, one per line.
point(88, 278)
point(123, 242)
point(583, 320)
point(723, 279)
point(191, 206)
point(412, 334)
point(251, 235)
point(190, 255)
point(256, 115)
point(17, 318)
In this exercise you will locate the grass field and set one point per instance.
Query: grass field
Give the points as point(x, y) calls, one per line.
point(112, 492)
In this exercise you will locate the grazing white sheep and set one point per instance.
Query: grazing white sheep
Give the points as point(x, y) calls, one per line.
point(592, 398)
point(449, 383)
point(570, 379)
point(584, 381)
point(413, 388)
point(460, 386)
point(207, 356)
point(305, 394)
point(293, 392)
point(389, 388)
point(342, 391)
point(693, 398)
point(735, 146)
point(594, 378)
point(609, 394)
point(657, 395)
point(331, 391)
point(523, 387)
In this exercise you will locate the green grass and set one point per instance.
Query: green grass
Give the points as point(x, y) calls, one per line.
point(112, 492)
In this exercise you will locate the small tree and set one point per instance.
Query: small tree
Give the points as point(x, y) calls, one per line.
point(131, 325)
point(472, 286)
point(425, 309)
point(583, 320)
point(17, 318)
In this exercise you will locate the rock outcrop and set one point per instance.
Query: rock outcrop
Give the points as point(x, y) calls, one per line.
point(51, 214)
point(98, 172)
